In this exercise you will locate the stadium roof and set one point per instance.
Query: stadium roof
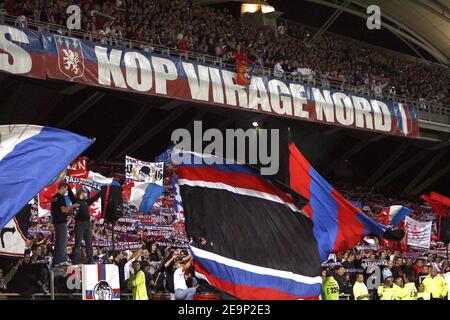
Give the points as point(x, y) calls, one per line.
point(425, 23)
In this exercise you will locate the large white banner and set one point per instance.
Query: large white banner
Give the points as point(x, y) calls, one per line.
point(418, 233)
point(140, 171)
point(12, 241)
point(100, 282)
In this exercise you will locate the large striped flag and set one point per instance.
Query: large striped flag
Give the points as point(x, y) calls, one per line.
point(30, 156)
point(338, 225)
point(259, 244)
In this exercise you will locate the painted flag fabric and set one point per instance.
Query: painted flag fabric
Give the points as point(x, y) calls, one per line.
point(397, 214)
point(165, 156)
point(100, 282)
point(259, 244)
point(78, 168)
point(418, 233)
point(101, 180)
point(338, 225)
point(244, 68)
point(142, 195)
point(30, 157)
point(438, 202)
point(13, 234)
point(144, 183)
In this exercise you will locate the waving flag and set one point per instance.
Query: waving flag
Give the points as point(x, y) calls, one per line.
point(259, 244)
point(30, 157)
point(439, 203)
point(397, 214)
point(244, 68)
point(338, 225)
point(144, 183)
point(165, 156)
point(142, 195)
point(100, 179)
point(13, 241)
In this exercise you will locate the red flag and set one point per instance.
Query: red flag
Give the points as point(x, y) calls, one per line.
point(439, 203)
point(78, 168)
point(242, 68)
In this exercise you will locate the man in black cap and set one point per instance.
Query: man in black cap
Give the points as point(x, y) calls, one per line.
point(59, 213)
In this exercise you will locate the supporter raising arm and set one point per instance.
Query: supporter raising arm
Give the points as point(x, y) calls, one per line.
point(182, 292)
point(136, 283)
point(83, 229)
point(59, 212)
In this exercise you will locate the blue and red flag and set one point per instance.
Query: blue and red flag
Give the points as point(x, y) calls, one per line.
point(338, 225)
point(259, 245)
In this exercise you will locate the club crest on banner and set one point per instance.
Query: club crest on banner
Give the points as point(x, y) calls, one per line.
point(100, 282)
point(70, 57)
point(102, 291)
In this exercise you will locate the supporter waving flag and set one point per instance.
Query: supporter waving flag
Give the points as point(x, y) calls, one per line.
point(338, 225)
point(244, 68)
point(259, 244)
point(30, 156)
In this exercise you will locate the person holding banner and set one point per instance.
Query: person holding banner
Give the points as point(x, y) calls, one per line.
point(59, 211)
point(83, 228)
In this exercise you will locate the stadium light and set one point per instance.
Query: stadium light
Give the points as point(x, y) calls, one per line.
point(255, 124)
point(256, 7)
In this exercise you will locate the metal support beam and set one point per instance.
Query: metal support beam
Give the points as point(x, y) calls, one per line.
point(405, 167)
point(418, 177)
point(172, 116)
point(421, 187)
point(416, 39)
point(82, 108)
point(71, 89)
point(352, 151)
point(328, 23)
point(386, 164)
point(124, 133)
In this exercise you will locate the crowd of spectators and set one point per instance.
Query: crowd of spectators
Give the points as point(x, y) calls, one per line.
point(364, 274)
point(187, 26)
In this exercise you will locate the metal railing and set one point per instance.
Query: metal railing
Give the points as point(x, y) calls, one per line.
point(426, 110)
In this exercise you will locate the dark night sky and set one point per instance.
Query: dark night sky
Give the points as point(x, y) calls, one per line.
point(315, 15)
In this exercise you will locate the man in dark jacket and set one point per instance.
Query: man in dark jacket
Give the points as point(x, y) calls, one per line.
point(82, 224)
point(339, 276)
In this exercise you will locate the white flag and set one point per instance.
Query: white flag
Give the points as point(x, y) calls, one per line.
point(418, 233)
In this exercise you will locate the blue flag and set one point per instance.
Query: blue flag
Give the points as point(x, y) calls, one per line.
point(30, 157)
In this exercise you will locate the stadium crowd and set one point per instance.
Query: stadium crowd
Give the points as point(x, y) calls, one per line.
point(400, 269)
point(153, 263)
point(187, 26)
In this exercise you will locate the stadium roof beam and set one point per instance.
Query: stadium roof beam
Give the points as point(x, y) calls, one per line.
point(129, 127)
point(421, 187)
point(82, 108)
point(329, 22)
point(171, 116)
point(436, 49)
point(352, 151)
point(386, 164)
point(71, 89)
point(418, 177)
point(400, 170)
